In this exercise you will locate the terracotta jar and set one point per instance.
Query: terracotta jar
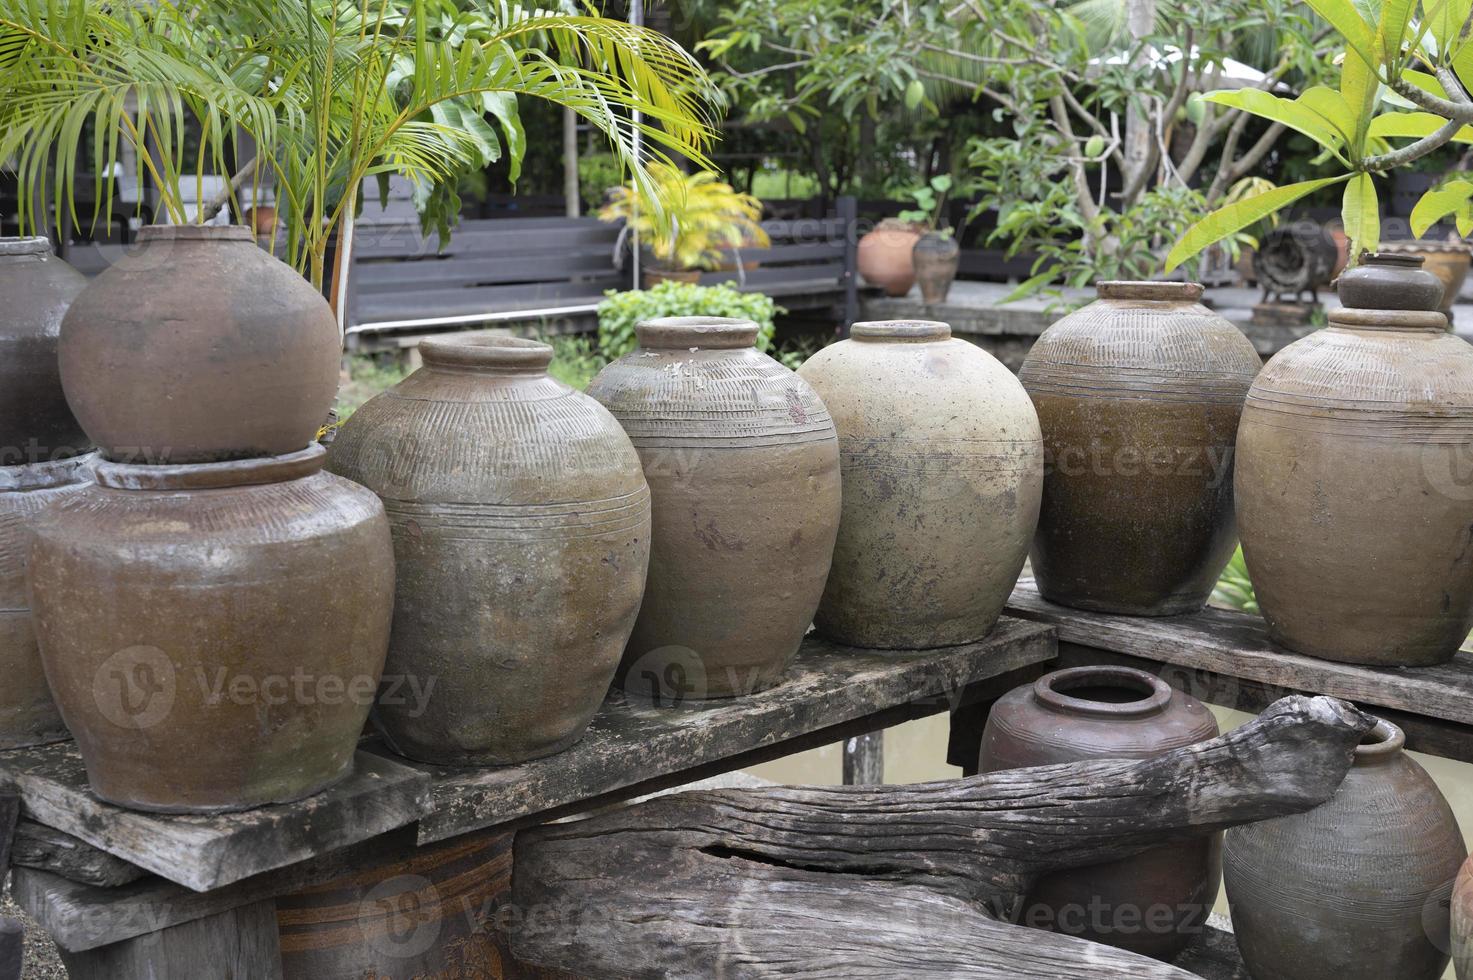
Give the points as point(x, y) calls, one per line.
point(27, 714)
point(433, 916)
point(886, 256)
point(198, 346)
point(1462, 922)
point(35, 423)
point(214, 633)
point(1355, 889)
point(521, 526)
point(1138, 395)
point(743, 467)
point(1155, 902)
point(942, 470)
point(936, 258)
point(1352, 493)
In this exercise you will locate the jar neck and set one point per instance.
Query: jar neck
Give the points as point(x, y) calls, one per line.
point(1103, 692)
point(686, 332)
point(1397, 321)
point(1382, 744)
point(29, 246)
point(212, 476)
point(158, 234)
point(900, 331)
point(45, 475)
point(488, 356)
point(1148, 291)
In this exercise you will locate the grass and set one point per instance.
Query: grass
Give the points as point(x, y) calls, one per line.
point(772, 185)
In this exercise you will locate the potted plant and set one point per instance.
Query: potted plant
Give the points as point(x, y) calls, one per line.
point(936, 254)
point(689, 222)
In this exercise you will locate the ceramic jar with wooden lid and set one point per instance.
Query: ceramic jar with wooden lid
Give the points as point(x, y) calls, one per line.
point(1354, 499)
point(743, 466)
point(942, 470)
point(1138, 395)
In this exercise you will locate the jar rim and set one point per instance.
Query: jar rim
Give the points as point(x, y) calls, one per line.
point(491, 355)
point(1381, 742)
point(1155, 693)
point(46, 474)
point(25, 245)
point(713, 332)
point(1416, 321)
point(212, 476)
point(901, 330)
point(1149, 290)
point(195, 233)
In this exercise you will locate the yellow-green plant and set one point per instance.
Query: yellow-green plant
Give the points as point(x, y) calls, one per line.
point(688, 220)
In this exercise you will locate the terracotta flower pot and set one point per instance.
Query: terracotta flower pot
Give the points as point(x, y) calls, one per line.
point(1153, 903)
point(942, 470)
point(652, 276)
point(214, 633)
point(936, 258)
point(1351, 493)
point(28, 716)
point(743, 467)
point(1138, 395)
point(521, 526)
point(886, 257)
point(199, 346)
point(1355, 889)
point(35, 423)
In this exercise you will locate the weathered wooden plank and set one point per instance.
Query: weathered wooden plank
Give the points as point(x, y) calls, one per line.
point(860, 881)
point(428, 274)
point(9, 816)
point(204, 852)
point(375, 307)
point(1236, 644)
point(40, 846)
point(234, 945)
point(631, 741)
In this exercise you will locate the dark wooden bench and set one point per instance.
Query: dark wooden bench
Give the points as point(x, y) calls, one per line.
point(552, 273)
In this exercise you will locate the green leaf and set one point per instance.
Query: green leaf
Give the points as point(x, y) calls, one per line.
point(503, 106)
point(1438, 203)
point(1362, 214)
point(1391, 30)
point(1235, 217)
point(1414, 125)
point(1333, 106)
point(1342, 15)
point(1296, 115)
point(1360, 89)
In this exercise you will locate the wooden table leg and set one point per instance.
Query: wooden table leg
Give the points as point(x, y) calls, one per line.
point(233, 945)
point(864, 759)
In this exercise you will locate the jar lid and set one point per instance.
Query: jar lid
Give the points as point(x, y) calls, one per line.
point(30, 245)
point(212, 476)
point(486, 355)
point(1390, 281)
point(684, 332)
point(1140, 693)
point(901, 330)
point(1153, 291)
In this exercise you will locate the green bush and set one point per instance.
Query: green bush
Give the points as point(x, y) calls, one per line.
point(618, 314)
point(597, 174)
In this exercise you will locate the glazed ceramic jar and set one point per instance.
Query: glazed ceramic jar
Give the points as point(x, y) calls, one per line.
point(942, 470)
point(886, 258)
point(199, 346)
point(1138, 395)
point(1462, 922)
point(27, 714)
point(1355, 889)
point(521, 526)
point(36, 426)
point(1352, 494)
point(214, 633)
point(743, 467)
point(1155, 902)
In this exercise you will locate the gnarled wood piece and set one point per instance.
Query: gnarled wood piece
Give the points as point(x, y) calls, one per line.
point(897, 880)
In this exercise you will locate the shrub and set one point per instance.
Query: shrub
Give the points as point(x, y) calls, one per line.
point(618, 314)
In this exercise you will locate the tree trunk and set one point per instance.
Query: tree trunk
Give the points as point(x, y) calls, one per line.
point(572, 193)
point(921, 881)
point(1140, 20)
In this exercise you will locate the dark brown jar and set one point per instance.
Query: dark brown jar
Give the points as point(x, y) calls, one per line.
point(1353, 492)
point(743, 467)
point(1153, 903)
point(1356, 889)
point(521, 524)
point(36, 425)
point(199, 346)
point(214, 633)
point(1138, 395)
point(28, 716)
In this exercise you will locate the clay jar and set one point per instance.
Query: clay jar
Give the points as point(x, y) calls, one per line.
point(1138, 395)
point(1152, 903)
point(199, 346)
point(936, 257)
point(1355, 889)
point(743, 467)
point(36, 425)
point(886, 256)
point(27, 714)
point(1462, 922)
point(942, 470)
point(1352, 493)
point(213, 634)
point(521, 526)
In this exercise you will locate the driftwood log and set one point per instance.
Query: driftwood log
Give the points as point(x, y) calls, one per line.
point(923, 880)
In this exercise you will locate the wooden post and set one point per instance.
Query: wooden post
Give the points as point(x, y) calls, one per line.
point(864, 759)
point(572, 192)
point(848, 211)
